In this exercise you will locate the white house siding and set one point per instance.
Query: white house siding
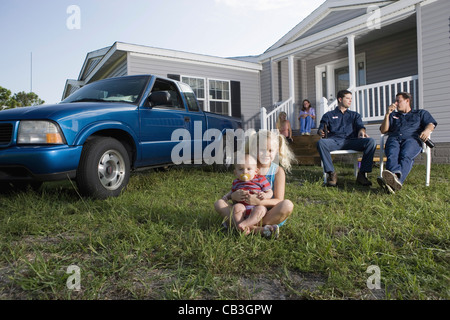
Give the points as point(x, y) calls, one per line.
point(435, 35)
point(280, 80)
point(392, 57)
point(266, 85)
point(249, 80)
point(275, 88)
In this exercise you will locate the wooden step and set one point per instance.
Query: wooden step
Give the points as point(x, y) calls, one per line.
point(375, 159)
point(305, 150)
point(308, 160)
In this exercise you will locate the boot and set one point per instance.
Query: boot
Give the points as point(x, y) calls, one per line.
point(362, 179)
point(332, 179)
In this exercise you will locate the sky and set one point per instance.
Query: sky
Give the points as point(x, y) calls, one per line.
point(45, 42)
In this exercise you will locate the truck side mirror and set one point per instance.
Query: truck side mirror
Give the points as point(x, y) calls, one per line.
point(159, 98)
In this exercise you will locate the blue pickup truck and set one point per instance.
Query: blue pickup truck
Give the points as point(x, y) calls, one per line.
point(100, 133)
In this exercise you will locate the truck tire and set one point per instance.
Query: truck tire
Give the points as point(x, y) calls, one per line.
point(104, 169)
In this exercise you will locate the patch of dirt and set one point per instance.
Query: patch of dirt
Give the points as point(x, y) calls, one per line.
point(294, 285)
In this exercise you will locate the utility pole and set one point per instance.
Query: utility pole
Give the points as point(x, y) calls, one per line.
point(31, 72)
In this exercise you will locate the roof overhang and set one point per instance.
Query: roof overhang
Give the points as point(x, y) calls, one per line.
point(334, 38)
point(105, 59)
point(70, 86)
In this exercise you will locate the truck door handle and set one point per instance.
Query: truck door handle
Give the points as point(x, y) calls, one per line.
point(187, 119)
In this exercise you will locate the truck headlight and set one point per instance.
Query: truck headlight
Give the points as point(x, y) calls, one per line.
point(39, 132)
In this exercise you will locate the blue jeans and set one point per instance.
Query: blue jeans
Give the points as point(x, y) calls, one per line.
point(306, 124)
point(400, 155)
point(366, 145)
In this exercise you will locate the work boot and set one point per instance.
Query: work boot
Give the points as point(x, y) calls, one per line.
point(391, 179)
point(332, 179)
point(362, 179)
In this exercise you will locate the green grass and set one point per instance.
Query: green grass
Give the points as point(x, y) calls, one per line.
point(162, 240)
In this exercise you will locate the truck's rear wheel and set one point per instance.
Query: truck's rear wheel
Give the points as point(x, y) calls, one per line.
point(104, 169)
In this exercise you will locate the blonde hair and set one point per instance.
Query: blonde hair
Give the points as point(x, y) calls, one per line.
point(278, 123)
point(285, 155)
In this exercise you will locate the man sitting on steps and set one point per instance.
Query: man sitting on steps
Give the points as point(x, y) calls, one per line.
point(343, 129)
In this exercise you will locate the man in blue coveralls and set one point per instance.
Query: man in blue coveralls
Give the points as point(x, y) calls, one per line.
point(407, 129)
point(343, 129)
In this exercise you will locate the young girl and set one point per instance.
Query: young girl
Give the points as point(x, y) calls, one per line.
point(284, 126)
point(307, 117)
point(272, 149)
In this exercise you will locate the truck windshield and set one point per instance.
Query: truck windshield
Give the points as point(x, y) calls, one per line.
point(125, 89)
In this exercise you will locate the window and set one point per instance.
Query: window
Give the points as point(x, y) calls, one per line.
point(219, 96)
point(175, 99)
point(127, 89)
point(342, 79)
point(198, 86)
point(361, 76)
point(190, 97)
point(213, 95)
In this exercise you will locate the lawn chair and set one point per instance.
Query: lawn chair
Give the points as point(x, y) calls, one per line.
point(425, 149)
point(354, 154)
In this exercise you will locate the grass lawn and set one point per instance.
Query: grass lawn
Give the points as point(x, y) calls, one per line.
point(162, 240)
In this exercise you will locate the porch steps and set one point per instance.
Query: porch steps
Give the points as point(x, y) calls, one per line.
point(304, 148)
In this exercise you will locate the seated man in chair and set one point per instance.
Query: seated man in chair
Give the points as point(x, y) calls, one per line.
point(407, 129)
point(342, 129)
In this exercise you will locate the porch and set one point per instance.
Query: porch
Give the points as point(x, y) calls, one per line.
point(343, 48)
point(371, 101)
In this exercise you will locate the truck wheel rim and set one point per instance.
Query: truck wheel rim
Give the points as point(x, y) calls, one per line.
point(111, 169)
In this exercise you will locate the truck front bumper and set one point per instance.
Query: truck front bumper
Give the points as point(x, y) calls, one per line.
point(43, 163)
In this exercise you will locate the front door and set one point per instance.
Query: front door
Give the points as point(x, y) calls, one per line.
point(341, 79)
point(333, 77)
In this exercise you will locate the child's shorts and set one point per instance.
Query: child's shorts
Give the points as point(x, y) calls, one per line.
point(248, 210)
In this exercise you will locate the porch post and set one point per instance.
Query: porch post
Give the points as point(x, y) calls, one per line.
point(272, 89)
point(419, 56)
point(351, 62)
point(291, 88)
point(291, 77)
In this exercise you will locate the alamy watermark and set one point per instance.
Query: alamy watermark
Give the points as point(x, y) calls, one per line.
point(374, 281)
point(216, 147)
point(374, 20)
point(74, 280)
point(73, 22)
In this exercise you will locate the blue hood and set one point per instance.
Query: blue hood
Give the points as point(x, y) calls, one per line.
point(63, 110)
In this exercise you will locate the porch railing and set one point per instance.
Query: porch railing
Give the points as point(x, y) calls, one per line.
point(269, 119)
point(371, 101)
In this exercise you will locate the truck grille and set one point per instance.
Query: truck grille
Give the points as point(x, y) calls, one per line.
point(6, 130)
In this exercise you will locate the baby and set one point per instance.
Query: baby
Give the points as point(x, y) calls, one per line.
point(246, 216)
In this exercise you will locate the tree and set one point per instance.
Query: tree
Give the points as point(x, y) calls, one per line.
point(27, 99)
point(20, 99)
point(5, 96)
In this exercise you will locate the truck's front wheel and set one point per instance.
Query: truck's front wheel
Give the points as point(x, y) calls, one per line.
point(104, 169)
